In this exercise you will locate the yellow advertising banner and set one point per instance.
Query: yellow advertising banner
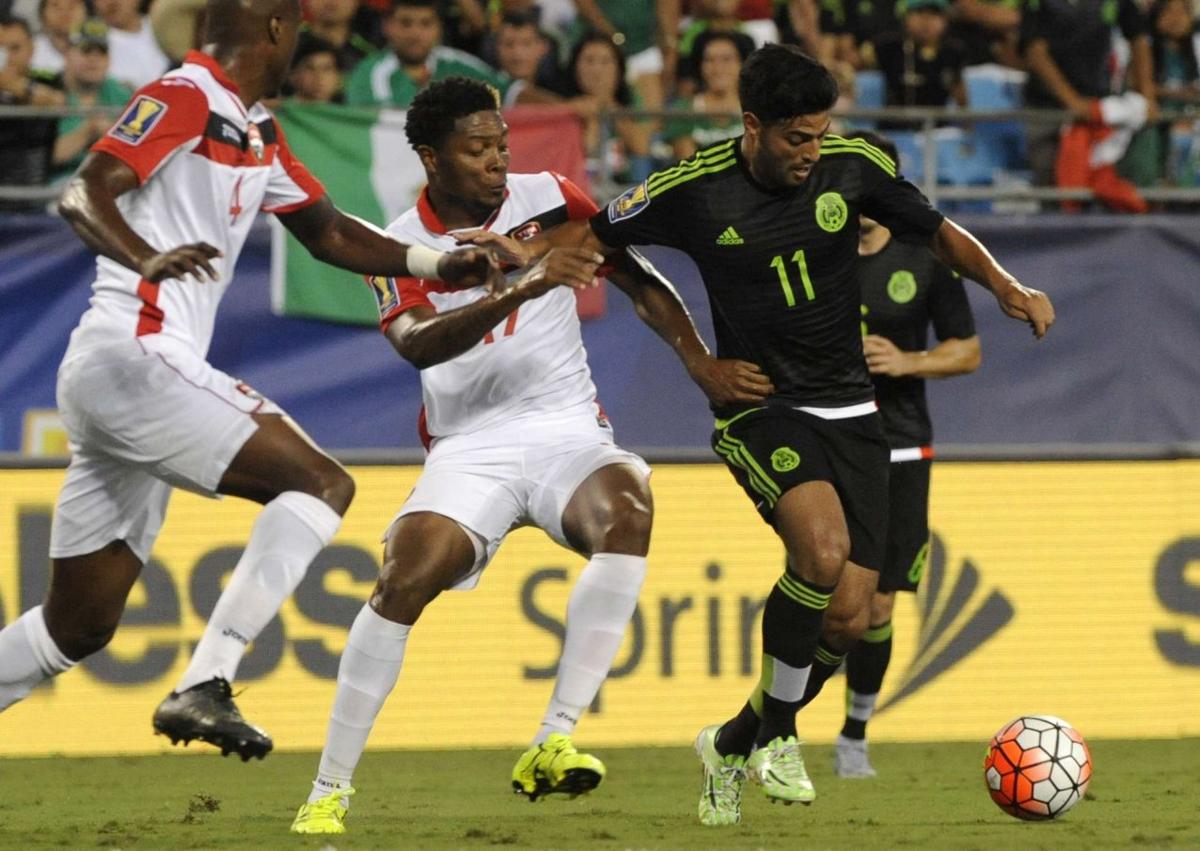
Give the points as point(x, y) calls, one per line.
point(1071, 589)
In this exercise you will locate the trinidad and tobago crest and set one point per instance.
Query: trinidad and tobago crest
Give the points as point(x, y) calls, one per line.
point(958, 616)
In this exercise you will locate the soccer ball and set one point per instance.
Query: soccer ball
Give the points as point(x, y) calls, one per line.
point(1037, 767)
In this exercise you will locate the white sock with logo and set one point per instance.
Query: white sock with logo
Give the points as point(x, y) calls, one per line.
point(287, 535)
point(367, 674)
point(28, 656)
point(601, 604)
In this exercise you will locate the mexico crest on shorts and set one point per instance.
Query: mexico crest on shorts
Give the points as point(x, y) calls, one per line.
point(629, 203)
point(902, 286)
point(831, 212)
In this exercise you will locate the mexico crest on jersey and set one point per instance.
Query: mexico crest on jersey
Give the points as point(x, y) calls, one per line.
point(902, 286)
point(139, 119)
point(831, 212)
point(629, 203)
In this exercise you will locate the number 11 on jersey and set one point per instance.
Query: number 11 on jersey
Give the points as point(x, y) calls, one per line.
point(785, 280)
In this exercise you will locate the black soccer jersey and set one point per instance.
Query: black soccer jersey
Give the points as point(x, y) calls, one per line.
point(778, 265)
point(905, 289)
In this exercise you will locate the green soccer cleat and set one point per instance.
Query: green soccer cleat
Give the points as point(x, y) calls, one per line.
point(721, 796)
point(779, 769)
point(555, 768)
point(324, 815)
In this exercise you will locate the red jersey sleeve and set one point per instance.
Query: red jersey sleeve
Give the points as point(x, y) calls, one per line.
point(291, 185)
point(393, 296)
point(579, 203)
point(163, 117)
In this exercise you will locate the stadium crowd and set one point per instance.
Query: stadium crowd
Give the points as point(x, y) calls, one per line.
point(1113, 65)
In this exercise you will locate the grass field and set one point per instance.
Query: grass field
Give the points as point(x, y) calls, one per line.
point(1144, 794)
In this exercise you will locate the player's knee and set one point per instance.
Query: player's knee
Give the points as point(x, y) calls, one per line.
point(842, 628)
point(402, 593)
point(627, 524)
point(822, 562)
point(329, 482)
point(78, 641)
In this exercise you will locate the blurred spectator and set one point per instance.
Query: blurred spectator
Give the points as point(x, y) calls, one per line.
point(850, 28)
point(25, 143)
point(178, 26)
point(720, 57)
point(414, 59)
point(596, 70)
point(709, 16)
point(316, 74)
point(524, 52)
point(922, 67)
point(59, 18)
point(1067, 44)
point(136, 57)
point(85, 82)
point(799, 22)
point(1173, 45)
point(988, 30)
point(332, 22)
point(647, 33)
point(555, 18)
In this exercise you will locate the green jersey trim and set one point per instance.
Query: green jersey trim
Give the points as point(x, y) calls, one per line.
point(838, 145)
point(716, 158)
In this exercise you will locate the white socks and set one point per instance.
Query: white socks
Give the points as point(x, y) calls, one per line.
point(860, 707)
point(601, 604)
point(368, 671)
point(28, 656)
point(288, 534)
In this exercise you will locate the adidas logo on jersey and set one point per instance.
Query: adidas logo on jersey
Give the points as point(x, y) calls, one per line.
point(729, 237)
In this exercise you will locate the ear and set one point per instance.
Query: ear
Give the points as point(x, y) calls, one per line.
point(752, 124)
point(428, 158)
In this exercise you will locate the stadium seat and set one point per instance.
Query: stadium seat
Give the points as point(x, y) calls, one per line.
point(871, 92)
point(997, 87)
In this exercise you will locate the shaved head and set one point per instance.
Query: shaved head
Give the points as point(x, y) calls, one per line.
point(256, 36)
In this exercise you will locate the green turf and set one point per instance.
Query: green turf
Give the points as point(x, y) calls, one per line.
point(1144, 794)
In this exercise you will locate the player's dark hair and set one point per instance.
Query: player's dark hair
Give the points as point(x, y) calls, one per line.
point(434, 111)
point(412, 4)
point(780, 82)
point(7, 20)
point(881, 142)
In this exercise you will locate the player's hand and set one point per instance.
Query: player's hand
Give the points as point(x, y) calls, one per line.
point(506, 248)
point(883, 357)
point(1028, 305)
point(571, 267)
point(726, 381)
point(180, 262)
point(470, 267)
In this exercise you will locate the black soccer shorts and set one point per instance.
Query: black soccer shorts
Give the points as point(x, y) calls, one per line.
point(908, 526)
point(773, 449)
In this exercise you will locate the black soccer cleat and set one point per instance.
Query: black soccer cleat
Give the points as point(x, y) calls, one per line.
point(207, 712)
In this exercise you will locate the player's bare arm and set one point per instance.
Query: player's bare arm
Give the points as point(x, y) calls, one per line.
point(333, 237)
point(724, 381)
point(89, 204)
point(425, 337)
point(952, 356)
point(963, 253)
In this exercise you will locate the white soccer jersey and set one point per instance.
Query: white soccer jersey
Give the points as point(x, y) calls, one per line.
point(206, 166)
point(531, 364)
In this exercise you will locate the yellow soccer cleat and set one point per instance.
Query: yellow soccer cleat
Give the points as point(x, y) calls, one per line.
point(779, 769)
point(324, 815)
point(555, 768)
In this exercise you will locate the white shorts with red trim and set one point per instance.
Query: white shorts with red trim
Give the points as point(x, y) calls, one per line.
point(521, 474)
point(143, 418)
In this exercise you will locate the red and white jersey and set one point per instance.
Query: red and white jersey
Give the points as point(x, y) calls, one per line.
point(206, 165)
point(531, 364)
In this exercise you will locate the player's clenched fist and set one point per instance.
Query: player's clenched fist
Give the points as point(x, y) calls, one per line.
point(726, 381)
point(180, 262)
point(470, 267)
point(572, 267)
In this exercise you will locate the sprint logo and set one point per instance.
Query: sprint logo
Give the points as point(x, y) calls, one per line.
point(729, 236)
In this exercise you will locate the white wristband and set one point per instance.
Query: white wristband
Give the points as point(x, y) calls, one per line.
point(422, 262)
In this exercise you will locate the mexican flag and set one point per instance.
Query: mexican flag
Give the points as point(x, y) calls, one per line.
point(370, 171)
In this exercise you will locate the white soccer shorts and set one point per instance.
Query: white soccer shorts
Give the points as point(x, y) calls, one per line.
point(143, 418)
point(519, 474)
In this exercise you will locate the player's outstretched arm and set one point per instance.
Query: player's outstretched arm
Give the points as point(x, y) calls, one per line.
point(724, 381)
point(89, 204)
point(340, 240)
point(963, 253)
point(424, 337)
point(952, 356)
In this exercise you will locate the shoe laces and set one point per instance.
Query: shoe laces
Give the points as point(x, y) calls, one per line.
point(333, 801)
point(786, 759)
